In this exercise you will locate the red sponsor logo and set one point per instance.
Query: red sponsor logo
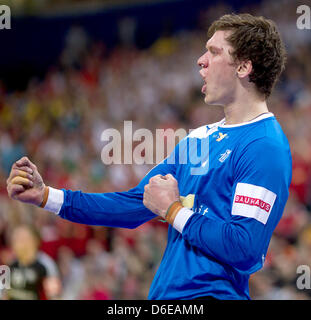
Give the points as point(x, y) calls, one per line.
point(252, 202)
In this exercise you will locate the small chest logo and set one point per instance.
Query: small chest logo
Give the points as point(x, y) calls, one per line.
point(224, 155)
point(221, 136)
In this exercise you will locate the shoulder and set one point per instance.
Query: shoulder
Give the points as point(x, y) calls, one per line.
point(264, 151)
point(265, 160)
point(204, 131)
point(48, 263)
point(265, 137)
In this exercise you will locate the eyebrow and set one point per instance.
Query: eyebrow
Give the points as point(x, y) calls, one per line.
point(208, 47)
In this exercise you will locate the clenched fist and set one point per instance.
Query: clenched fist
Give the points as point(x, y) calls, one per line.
point(25, 183)
point(160, 193)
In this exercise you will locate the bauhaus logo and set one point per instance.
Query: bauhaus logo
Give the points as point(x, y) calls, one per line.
point(252, 202)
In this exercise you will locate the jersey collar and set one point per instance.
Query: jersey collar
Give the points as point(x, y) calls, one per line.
point(264, 116)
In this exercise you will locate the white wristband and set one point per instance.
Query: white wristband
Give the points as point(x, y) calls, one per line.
point(181, 218)
point(55, 200)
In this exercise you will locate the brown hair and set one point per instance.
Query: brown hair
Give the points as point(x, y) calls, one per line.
point(258, 40)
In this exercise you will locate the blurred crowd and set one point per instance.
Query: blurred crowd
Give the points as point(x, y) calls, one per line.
point(58, 121)
point(30, 7)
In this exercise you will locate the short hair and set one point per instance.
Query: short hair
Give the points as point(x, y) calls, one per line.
point(256, 39)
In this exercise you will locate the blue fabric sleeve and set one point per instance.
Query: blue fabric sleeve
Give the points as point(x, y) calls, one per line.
point(240, 241)
point(115, 209)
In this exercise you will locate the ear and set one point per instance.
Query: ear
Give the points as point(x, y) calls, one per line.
point(244, 69)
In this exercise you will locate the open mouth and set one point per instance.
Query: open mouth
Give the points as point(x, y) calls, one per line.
point(203, 87)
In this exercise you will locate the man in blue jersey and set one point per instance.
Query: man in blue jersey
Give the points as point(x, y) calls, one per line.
point(222, 209)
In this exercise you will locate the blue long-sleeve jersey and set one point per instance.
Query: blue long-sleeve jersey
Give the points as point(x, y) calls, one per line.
point(235, 194)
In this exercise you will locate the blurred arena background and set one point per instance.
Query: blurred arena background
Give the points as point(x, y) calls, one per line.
point(70, 69)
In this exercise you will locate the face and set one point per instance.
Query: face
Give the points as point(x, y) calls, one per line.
point(24, 244)
point(218, 70)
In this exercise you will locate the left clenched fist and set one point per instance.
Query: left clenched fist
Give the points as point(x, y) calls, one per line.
point(160, 193)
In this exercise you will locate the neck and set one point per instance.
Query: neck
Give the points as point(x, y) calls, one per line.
point(245, 110)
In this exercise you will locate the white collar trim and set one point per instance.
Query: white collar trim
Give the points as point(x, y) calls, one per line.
point(263, 116)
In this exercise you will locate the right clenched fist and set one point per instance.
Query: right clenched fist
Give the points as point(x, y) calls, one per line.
point(25, 183)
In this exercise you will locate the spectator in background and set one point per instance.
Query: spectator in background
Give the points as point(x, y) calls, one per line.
point(34, 274)
point(72, 273)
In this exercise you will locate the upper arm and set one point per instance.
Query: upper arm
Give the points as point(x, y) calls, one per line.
point(261, 180)
point(51, 281)
point(260, 191)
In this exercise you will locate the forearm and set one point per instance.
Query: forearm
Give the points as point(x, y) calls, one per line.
point(225, 241)
point(117, 209)
point(113, 209)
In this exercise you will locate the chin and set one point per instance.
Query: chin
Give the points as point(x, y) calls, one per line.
point(211, 102)
point(208, 100)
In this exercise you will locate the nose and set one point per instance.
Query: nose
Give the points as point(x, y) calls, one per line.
point(203, 61)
